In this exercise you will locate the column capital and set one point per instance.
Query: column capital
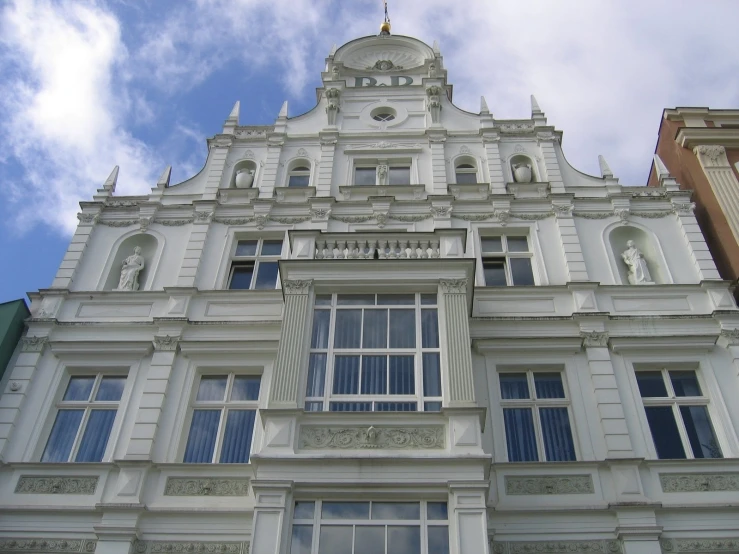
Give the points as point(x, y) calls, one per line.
point(33, 344)
point(712, 155)
point(453, 286)
point(166, 343)
point(594, 339)
point(296, 286)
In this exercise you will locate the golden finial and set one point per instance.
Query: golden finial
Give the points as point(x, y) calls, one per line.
point(385, 27)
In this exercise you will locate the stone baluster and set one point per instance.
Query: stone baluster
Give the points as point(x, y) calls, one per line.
point(425, 249)
point(435, 249)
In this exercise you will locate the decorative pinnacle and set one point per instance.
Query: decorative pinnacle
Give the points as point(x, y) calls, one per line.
point(605, 170)
point(112, 180)
point(234, 115)
point(483, 106)
point(163, 181)
point(283, 111)
point(660, 167)
point(536, 114)
point(385, 27)
point(535, 109)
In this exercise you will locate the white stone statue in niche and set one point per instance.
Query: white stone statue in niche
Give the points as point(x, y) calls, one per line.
point(382, 170)
point(638, 270)
point(132, 266)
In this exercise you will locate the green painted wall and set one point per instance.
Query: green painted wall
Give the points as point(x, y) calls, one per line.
point(12, 315)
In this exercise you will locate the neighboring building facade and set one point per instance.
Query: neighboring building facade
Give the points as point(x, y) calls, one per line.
point(385, 325)
point(700, 147)
point(12, 315)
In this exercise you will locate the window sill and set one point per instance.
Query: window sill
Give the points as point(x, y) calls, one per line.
point(400, 192)
point(294, 194)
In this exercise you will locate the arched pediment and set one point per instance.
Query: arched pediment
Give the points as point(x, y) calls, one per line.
point(384, 53)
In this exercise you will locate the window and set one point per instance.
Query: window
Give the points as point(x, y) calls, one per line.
point(222, 423)
point(84, 419)
point(374, 352)
point(466, 174)
point(370, 528)
point(299, 176)
point(506, 260)
point(383, 116)
point(254, 264)
point(677, 413)
point(370, 175)
point(536, 417)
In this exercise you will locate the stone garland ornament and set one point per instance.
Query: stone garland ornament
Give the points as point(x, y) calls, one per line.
point(189, 486)
point(634, 260)
point(52, 484)
point(699, 482)
point(394, 438)
point(130, 270)
point(564, 484)
point(120, 223)
point(189, 547)
point(47, 545)
point(699, 545)
point(557, 547)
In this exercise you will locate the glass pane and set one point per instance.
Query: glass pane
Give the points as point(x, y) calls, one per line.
point(374, 375)
point(323, 299)
point(314, 406)
point(316, 375)
point(396, 510)
point(95, 438)
point(335, 539)
point(513, 386)
point(110, 389)
point(212, 387)
point(402, 328)
point(429, 329)
point(237, 437)
point(466, 178)
point(437, 511)
point(664, 432)
point(431, 374)
point(350, 407)
point(396, 299)
point(304, 510)
point(432, 406)
point(557, 435)
point(395, 406)
point(548, 385)
point(348, 328)
point(302, 539)
point(400, 176)
point(346, 375)
point(518, 244)
point(345, 510)
point(438, 540)
point(521, 271)
point(62, 436)
point(494, 272)
point(700, 432)
point(364, 176)
point(319, 335)
point(299, 181)
point(374, 334)
point(429, 299)
point(685, 383)
point(79, 388)
point(519, 434)
point(246, 248)
point(651, 384)
point(369, 539)
point(271, 247)
point(245, 388)
point(266, 276)
point(241, 277)
point(202, 437)
point(491, 244)
point(403, 539)
point(402, 377)
point(355, 299)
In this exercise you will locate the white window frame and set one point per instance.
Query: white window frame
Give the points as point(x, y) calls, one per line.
point(235, 260)
point(466, 160)
point(505, 255)
point(536, 404)
point(417, 352)
point(224, 406)
point(296, 172)
point(374, 163)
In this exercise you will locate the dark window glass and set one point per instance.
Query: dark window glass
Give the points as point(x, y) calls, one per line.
point(557, 434)
point(97, 431)
point(402, 375)
point(494, 271)
point(299, 181)
point(237, 436)
point(202, 437)
point(246, 248)
point(396, 510)
point(438, 538)
point(402, 539)
point(428, 299)
point(316, 375)
point(429, 329)
point(267, 276)
point(345, 510)
point(79, 388)
point(348, 329)
point(304, 510)
point(492, 244)
point(432, 406)
point(355, 299)
point(513, 386)
point(62, 436)
point(365, 176)
point(350, 407)
point(245, 388)
point(685, 383)
point(395, 406)
point(402, 328)
point(374, 374)
point(271, 248)
point(396, 299)
point(437, 511)
point(521, 271)
point(301, 539)
point(549, 385)
point(319, 335)
point(664, 432)
point(520, 436)
point(241, 275)
point(651, 384)
point(335, 539)
point(400, 176)
point(518, 244)
point(346, 374)
point(212, 388)
point(431, 374)
point(110, 389)
point(700, 432)
point(374, 334)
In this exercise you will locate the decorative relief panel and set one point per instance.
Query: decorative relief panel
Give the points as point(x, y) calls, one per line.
point(47, 545)
point(33, 344)
point(564, 484)
point(699, 545)
point(160, 547)
point(557, 547)
point(396, 438)
point(187, 486)
point(51, 484)
point(699, 482)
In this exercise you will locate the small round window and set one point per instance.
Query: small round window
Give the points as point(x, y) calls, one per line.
point(383, 116)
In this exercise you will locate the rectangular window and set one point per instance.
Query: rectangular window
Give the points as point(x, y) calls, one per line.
point(324, 527)
point(536, 417)
point(223, 415)
point(506, 260)
point(677, 413)
point(374, 352)
point(84, 419)
point(254, 264)
point(397, 174)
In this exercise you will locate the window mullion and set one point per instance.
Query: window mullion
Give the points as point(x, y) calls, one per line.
point(682, 430)
point(80, 432)
point(542, 454)
point(328, 385)
point(219, 435)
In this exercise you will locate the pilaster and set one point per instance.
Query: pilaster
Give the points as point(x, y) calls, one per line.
point(695, 240)
point(76, 249)
point(459, 357)
point(270, 527)
point(468, 518)
point(196, 242)
point(219, 147)
point(271, 165)
point(16, 389)
point(724, 183)
point(551, 163)
point(495, 166)
point(638, 530)
point(570, 241)
point(292, 354)
point(326, 167)
point(729, 339)
point(438, 163)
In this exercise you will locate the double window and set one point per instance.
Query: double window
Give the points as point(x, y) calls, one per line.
point(370, 528)
point(677, 413)
point(222, 421)
point(536, 417)
point(374, 352)
point(506, 260)
point(382, 174)
point(84, 419)
point(254, 264)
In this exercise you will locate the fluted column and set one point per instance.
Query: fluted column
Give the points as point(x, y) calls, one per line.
point(458, 349)
point(326, 166)
point(723, 181)
point(438, 164)
point(292, 353)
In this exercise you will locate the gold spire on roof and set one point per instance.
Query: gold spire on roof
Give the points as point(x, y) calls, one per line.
point(385, 27)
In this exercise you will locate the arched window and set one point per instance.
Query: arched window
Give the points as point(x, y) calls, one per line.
point(466, 174)
point(299, 176)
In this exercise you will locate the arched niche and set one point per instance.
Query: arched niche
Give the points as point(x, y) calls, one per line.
point(616, 239)
point(243, 165)
point(150, 250)
point(517, 164)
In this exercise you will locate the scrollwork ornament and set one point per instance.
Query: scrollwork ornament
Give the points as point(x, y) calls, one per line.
point(177, 547)
point(320, 213)
point(51, 484)
point(87, 219)
point(393, 438)
point(596, 339)
point(705, 545)
point(296, 286)
point(191, 486)
point(731, 336)
point(441, 212)
point(453, 286)
point(685, 209)
point(623, 214)
point(33, 344)
point(261, 220)
point(563, 210)
point(166, 343)
point(203, 216)
point(546, 485)
point(119, 222)
point(503, 216)
point(47, 545)
point(699, 482)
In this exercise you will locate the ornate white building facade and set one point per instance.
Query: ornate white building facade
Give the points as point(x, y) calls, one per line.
point(384, 326)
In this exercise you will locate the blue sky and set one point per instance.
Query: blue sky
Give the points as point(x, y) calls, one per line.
point(90, 84)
